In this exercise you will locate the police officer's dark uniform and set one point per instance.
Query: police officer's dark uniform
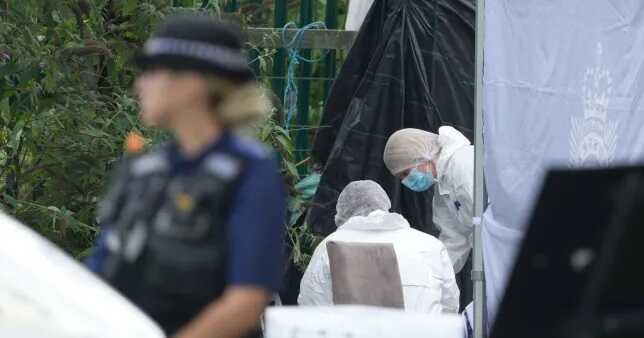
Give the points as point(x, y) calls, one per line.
point(180, 230)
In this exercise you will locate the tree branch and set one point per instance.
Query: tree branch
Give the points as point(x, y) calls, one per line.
point(79, 19)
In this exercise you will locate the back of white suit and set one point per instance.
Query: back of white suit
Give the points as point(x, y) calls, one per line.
point(426, 271)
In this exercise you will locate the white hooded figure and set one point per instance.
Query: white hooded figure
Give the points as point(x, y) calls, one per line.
point(363, 216)
point(446, 161)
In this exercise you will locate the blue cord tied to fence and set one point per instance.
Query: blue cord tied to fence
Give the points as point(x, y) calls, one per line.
point(295, 58)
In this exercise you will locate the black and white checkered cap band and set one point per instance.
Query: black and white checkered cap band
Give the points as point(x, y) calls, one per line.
point(218, 55)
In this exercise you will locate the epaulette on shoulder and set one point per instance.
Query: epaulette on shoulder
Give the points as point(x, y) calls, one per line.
point(253, 148)
point(153, 161)
point(222, 165)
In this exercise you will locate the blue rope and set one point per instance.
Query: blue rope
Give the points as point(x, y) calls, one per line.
point(295, 58)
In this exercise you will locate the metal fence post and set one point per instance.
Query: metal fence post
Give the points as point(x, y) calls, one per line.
point(279, 60)
point(301, 136)
point(331, 21)
point(231, 6)
point(480, 305)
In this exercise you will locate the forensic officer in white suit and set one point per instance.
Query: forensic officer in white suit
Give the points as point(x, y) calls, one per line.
point(363, 216)
point(423, 160)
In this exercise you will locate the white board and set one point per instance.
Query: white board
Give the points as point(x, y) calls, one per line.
point(358, 322)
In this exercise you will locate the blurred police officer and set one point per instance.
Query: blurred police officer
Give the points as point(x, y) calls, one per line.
point(192, 230)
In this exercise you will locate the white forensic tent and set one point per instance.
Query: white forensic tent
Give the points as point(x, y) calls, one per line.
point(356, 14)
point(562, 87)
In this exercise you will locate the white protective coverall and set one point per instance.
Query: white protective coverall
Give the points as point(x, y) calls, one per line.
point(453, 205)
point(426, 272)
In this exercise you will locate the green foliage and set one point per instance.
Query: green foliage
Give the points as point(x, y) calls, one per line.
point(301, 240)
point(66, 106)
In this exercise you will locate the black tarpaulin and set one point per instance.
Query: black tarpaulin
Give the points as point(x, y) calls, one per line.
point(412, 66)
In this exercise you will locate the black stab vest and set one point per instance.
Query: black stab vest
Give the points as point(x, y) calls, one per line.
point(168, 251)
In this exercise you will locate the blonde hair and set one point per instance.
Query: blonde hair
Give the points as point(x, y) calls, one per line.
point(238, 105)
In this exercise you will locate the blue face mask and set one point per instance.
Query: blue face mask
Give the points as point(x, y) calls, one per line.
point(418, 181)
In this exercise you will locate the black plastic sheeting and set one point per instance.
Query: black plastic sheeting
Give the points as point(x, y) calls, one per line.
point(412, 66)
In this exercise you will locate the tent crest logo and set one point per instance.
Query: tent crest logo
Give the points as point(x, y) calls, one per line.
point(593, 138)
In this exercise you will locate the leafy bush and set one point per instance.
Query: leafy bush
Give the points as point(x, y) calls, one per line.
point(66, 106)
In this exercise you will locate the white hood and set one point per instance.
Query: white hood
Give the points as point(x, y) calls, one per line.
point(378, 220)
point(450, 140)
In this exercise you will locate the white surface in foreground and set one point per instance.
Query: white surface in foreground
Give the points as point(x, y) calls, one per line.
point(45, 293)
point(358, 322)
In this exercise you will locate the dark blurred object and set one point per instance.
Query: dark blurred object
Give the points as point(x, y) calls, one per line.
point(577, 273)
point(84, 7)
point(291, 289)
point(412, 66)
point(464, 283)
